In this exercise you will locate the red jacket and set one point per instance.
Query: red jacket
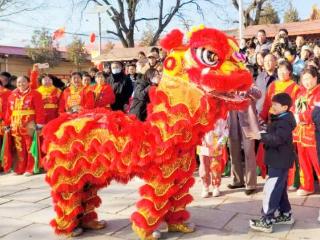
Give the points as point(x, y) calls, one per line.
point(4, 95)
point(303, 108)
point(50, 97)
point(75, 100)
point(289, 87)
point(103, 95)
point(23, 108)
point(34, 75)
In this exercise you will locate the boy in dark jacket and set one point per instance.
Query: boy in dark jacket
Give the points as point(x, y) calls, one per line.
point(279, 157)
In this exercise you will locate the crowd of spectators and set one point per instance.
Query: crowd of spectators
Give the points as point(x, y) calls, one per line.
point(299, 53)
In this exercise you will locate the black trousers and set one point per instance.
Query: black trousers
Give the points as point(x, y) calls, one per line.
point(275, 193)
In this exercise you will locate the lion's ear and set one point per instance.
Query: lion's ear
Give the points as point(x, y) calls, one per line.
point(233, 44)
point(235, 54)
point(172, 40)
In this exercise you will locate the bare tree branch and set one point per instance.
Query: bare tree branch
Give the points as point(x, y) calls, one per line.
point(186, 23)
point(235, 4)
point(126, 17)
point(146, 19)
point(12, 7)
point(83, 9)
point(254, 9)
point(121, 16)
point(112, 32)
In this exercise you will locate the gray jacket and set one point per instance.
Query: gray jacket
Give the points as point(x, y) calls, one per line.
point(265, 47)
point(245, 122)
point(263, 80)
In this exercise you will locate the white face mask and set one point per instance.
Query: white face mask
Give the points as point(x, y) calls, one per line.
point(115, 70)
point(155, 80)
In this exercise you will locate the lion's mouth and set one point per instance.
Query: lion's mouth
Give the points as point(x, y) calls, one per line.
point(238, 96)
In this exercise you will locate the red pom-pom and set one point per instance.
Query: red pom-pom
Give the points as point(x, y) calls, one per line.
point(172, 40)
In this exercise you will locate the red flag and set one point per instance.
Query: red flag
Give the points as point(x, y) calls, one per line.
point(224, 158)
point(92, 37)
point(59, 33)
point(260, 161)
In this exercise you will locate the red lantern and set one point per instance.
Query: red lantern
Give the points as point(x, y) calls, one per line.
point(59, 33)
point(92, 37)
point(100, 66)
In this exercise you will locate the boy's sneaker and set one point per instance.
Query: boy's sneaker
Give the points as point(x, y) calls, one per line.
point(284, 218)
point(261, 225)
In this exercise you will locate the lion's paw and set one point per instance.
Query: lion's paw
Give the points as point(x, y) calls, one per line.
point(181, 227)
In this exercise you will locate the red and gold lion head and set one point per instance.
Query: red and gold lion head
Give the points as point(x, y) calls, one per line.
point(209, 59)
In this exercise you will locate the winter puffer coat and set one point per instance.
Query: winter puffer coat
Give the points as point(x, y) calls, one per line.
point(278, 141)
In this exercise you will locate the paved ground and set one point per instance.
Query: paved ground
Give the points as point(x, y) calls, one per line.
point(25, 210)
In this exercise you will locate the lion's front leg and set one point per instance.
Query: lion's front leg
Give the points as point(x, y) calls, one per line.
point(152, 208)
point(177, 215)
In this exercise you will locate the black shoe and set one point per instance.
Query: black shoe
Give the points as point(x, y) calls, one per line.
point(230, 186)
point(261, 225)
point(284, 218)
point(249, 191)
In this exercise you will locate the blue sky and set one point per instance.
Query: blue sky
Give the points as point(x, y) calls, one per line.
point(60, 13)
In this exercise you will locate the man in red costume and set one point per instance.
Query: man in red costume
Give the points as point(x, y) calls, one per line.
point(50, 97)
point(304, 134)
point(103, 93)
point(75, 98)
point(25, 114)
point(50, 94)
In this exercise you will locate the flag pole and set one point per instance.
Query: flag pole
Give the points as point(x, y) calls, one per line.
point(100, 36)
point(240, 3)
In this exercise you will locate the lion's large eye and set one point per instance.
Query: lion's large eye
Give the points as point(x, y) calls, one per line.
point(207, 57)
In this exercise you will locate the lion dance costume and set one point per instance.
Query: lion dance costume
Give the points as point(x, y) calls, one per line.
point(202, 79)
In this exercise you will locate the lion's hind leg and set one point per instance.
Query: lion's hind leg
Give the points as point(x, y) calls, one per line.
point(69, 210)
point(91, 201)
